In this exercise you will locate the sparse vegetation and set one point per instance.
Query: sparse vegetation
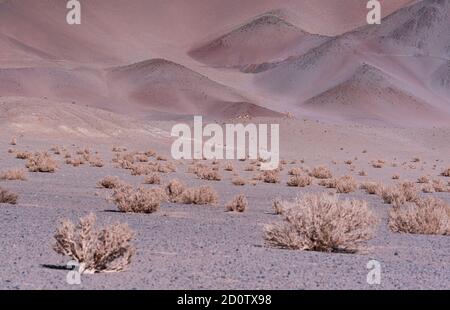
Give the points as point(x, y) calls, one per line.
point(174, 190)
point(228, 167)
point(238, 204)
point(141, 200)
point(110, 182)
point(423, 180)
point(13, 175)
point(300, 181)
point(239, 181)
point(202, 195)
point(270, 176)
point(41, 162)
point(321, 172)
point(344, 185)
point(446, 172)
point(400, 193)
point(429, 216)
point(152, 179)
point(8, 197)
point(372, 188)
point(321, 222)
point(105, 250)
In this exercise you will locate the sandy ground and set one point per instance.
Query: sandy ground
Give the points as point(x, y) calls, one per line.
point(204, 247)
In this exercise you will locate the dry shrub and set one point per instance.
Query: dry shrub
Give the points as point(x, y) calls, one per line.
point(295, 171)
point(400, 193)
point(41, 162)
point(423, 180)
point(142, 158)
point(372, 188)
point(446, 172)
point(76, 162)
point(278, 206)
point(96, 162)
point(396, 177)
point(300, 181)
point(161, 158)
point(110, 182)
point(166, 168)
point(104, 250)
point(13, 175)
point(321, 172)
point(362, 173)
point(322, 222)
point(238, 204)
point(150, 153)
point(348, 162)
point(270, 176)
point(208, 174)
point(427, 188)
point(202, 195)
point(174, 190)
point(416, 159)
point(250, 168)
point(152, 179)
point(228, 167)
point(8, 197)
point(141, 200)
point(344, 185)
point(119, 149)
point(143, 168)
point(239, 181)
point(439, 186)
point(23, 155)
point(428, 216)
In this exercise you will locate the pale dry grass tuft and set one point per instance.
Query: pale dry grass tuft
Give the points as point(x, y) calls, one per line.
point(110, 182)
point(202, 195)
point(423, 180)
point(239, 181)
point(105, 250)
point(174, 190)
point(322, 222)
point(400, 193)
point(346, 184)
point(152, 179)
point(270, 176)
point(141, 200)
point(13, 175)
point(300, 181)
point(41, 162)
point(8, 197)
point(321, 172)
point(23, 155)
point(228, 167)
point(238, 204)
point(428, 216)
point(372, 188)
point(446, 172)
